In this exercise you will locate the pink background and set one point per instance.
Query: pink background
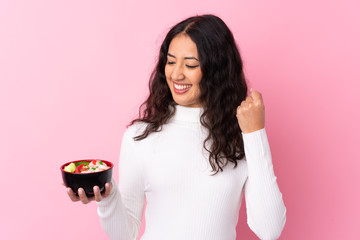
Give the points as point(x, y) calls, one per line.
point(73, 74)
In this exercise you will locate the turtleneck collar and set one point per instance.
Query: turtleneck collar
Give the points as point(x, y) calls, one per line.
point(187, 114)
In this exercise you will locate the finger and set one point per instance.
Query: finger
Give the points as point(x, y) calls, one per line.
point(243, 103)
point(83, 198)
point(72, 195)
point(108, 187)
point(256, 95)
point(249, 99)
point(97, 194)
point(238, 111)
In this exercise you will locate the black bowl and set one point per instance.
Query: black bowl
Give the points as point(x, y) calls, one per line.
point(87, 180)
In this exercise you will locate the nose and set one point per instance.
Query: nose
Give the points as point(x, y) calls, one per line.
point(177, 74)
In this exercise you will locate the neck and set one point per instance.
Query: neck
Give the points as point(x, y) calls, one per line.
point(187, 114)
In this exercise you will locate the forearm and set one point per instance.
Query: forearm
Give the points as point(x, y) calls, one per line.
point(265, 207)
point(115, 219)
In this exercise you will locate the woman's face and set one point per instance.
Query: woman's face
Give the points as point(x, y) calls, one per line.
point(182, 70)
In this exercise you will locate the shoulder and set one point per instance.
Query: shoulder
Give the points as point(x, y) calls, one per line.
point(242, 162)
point(128, 143)
point(135, 130)
point(243, 166)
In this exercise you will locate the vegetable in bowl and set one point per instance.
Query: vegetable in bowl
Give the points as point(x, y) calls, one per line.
point(86, 174)
point(86, 166)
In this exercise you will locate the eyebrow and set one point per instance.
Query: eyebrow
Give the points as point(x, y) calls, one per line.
point(194, 58)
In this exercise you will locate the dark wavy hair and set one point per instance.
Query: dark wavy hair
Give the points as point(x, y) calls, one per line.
point(222, 89)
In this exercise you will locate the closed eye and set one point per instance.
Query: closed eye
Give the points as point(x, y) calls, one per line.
point(192, 66)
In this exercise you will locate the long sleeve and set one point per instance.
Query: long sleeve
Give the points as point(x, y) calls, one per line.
point(121, 213)
point(266, 212)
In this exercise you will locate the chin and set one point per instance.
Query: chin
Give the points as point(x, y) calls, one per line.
point(186, 102)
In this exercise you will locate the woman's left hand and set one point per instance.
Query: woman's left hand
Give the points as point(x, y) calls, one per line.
point(251, 113)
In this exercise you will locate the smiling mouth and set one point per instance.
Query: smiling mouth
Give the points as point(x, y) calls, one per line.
point(182, 86)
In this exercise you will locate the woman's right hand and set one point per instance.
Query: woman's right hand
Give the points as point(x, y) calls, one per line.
point(84, 199)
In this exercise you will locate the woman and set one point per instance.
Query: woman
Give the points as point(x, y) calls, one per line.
point(198, 145)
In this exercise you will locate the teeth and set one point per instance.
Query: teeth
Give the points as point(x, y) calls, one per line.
point(181, 87)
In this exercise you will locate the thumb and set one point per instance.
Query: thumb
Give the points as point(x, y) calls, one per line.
point(255, 94)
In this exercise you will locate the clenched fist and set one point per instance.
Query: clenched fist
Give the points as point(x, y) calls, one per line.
point(251, 113)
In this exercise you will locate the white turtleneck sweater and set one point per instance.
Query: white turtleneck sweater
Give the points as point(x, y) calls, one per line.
point(171, 170)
